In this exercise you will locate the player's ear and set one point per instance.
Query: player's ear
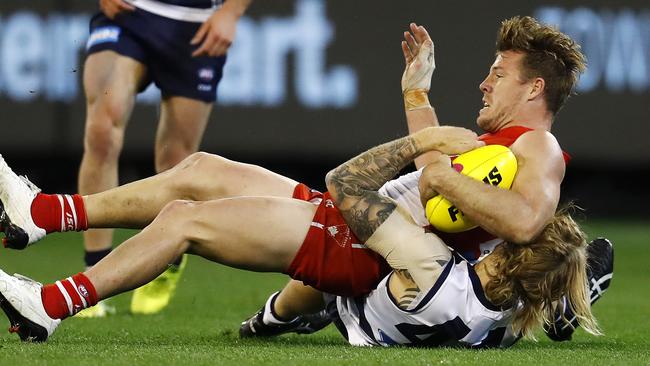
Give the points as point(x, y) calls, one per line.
point(537, 88)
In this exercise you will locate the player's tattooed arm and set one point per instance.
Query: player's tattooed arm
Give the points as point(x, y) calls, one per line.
point(354, 184)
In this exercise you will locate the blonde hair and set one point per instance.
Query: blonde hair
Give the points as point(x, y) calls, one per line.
point(548, 53)
point(532, 278)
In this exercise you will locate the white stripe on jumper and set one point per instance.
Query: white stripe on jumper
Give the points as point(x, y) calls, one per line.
point(68, 300)
point(62, 212)
point(83, 301)
point(182, 13)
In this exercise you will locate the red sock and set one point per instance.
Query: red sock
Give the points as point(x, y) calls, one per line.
point(69, 296)
point(58, 212)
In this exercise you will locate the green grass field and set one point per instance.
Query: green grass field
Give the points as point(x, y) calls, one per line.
point(200, 326)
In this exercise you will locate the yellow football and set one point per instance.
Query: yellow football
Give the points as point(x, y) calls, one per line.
point(492, 164)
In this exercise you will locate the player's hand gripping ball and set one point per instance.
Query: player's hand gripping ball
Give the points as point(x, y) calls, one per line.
point(492, 164)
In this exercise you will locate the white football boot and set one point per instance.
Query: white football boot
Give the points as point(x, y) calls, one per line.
point(16, 196)
point(20, 299)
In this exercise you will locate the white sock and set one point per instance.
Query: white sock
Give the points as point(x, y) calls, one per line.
point(269, 316)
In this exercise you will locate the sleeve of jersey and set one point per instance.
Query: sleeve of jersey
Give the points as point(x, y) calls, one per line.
point(405, 245)
point(404, 190)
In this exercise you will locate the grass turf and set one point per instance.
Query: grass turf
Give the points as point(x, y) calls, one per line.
point(200, 326)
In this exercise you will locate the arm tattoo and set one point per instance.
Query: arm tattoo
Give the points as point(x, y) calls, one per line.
point(354, 184)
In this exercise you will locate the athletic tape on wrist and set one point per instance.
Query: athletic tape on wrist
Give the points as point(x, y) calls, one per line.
point(416, 99)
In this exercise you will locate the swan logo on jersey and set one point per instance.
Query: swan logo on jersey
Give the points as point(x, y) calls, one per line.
point(341, 234)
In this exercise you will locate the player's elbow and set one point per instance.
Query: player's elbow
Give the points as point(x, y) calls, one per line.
point(332, 187)
point(523, 231)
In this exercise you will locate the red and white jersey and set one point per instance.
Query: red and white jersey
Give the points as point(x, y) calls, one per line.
point(454, 312)
point(472, 244)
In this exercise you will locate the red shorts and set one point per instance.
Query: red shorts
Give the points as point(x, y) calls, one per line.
point(332, 259)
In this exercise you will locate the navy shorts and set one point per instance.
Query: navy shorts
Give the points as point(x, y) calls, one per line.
point(163, 46)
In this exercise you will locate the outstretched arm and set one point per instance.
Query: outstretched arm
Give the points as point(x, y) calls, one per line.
point(419, 61)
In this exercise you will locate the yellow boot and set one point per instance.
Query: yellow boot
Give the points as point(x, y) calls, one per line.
point(101, 310)
point(152, 297)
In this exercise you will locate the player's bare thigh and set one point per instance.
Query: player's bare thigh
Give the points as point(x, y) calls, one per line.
point(204, 177)
point(109, 75)
point(254, 233)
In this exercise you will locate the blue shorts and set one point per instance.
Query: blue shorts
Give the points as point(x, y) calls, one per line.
point(163, 46)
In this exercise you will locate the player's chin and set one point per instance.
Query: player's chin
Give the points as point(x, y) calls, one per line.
point(483, 122)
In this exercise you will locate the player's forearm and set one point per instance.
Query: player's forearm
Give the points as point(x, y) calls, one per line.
point(371, 169)
point(418, 117)
point(353, 185)
point(501, 212)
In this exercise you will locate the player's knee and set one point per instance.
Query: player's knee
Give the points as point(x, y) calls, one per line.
point(193, 159)
point(112, 108)
point(175, 212)
point(176, 221)
point(227, 176)
point(171, 155)
point(198, 176)
point(103, 141)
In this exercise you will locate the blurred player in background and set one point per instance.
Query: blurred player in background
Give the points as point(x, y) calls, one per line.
point(535, 71)
point(180, 46)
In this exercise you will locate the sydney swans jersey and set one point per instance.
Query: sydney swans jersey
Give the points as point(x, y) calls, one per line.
point(473, 244)
point(453, 313)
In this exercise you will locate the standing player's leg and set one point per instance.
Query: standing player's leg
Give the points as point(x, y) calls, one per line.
point(110, 82)
point(253, 233)
point(188, 86)
point(180, 130)
point(182, 123)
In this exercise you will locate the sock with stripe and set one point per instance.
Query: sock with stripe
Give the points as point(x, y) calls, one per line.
point(67, 297)
point(59, 212)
